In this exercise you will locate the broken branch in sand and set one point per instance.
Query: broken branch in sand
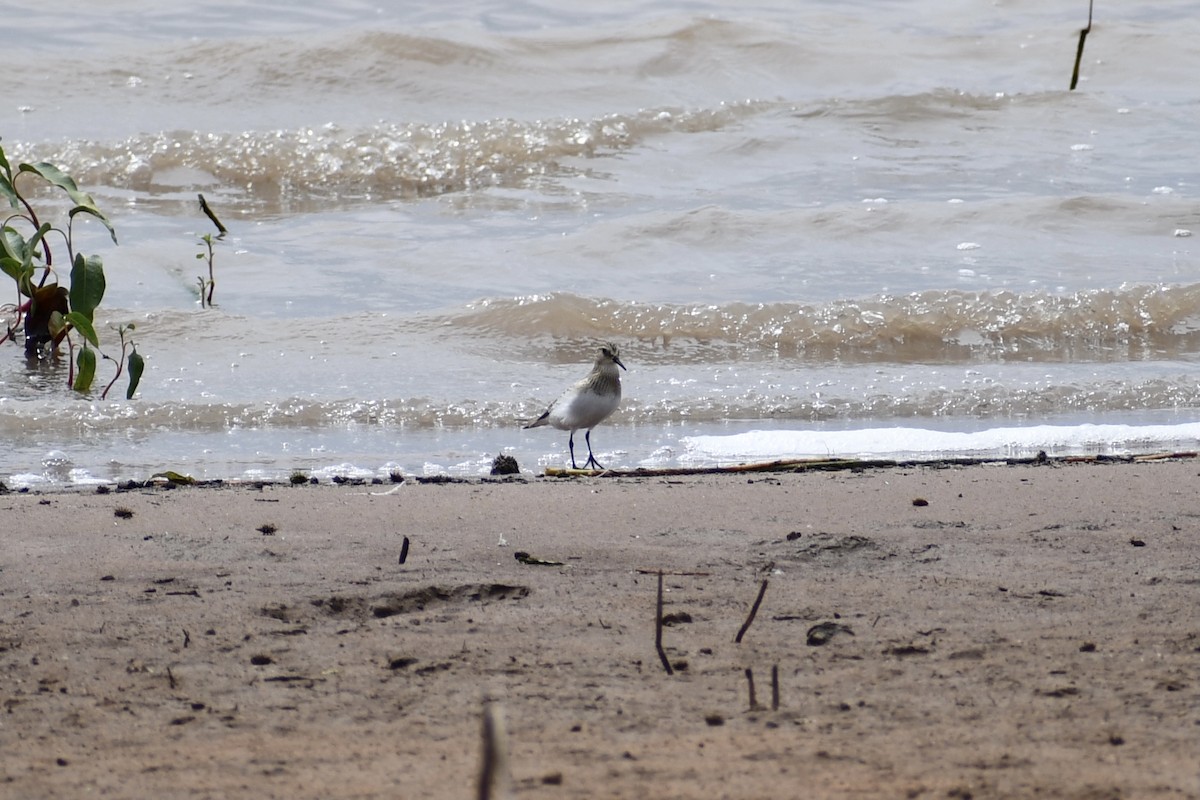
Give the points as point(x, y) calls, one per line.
point(774, 687)
point(658, 626)
point(493, 771)
point(753, 611)
point(859, 465)
point(676, 573)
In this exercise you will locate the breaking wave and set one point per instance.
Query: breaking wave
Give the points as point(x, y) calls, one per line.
point(939, 326)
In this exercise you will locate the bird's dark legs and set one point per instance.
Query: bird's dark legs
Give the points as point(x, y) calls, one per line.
point(591, 462)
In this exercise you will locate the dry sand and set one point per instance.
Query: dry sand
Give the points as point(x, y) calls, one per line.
point(1031, 631)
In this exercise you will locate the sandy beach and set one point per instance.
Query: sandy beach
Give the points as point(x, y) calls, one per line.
point(956, 632)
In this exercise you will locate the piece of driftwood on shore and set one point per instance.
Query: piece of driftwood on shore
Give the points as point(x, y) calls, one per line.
point(852, 464)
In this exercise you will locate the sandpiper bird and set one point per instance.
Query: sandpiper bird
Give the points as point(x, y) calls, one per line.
point(588, 402)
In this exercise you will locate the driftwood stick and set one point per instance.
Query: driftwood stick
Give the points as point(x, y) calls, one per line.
point(493, 771)
point(658, 625)
point(855, 464)
point(750, 682)
point(208, 212)
point(683, 574)
point(753, 611)
point(775, 687)
point(1079, 51)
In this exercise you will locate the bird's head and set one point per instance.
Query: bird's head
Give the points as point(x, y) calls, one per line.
point(610, 352)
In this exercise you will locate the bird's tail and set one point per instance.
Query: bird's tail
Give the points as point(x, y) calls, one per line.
point(539, 422)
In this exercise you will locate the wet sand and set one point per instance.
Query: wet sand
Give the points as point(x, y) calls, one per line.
point(1018, 631)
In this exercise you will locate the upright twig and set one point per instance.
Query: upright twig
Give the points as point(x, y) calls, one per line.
point(774, 687)
point(753, 610)
point(207, 287)
point(493, 770)
point(1079, 51)
point(750, 682)
point(658, 626)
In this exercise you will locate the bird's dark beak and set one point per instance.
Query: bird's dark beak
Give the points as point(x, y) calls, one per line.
point(617, 361)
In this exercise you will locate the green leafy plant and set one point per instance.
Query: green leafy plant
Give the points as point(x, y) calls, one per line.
point(52, 313)
point(129, 356)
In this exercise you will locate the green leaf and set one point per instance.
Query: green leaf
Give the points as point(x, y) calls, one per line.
point(83, 201)
point(87, 284)
point(25, 281)
point(12, 268)
point(98, 214)
point(87, 369)
point(9, 193)
point(6, 185)
point(52, 174)
point(137, 365)
point(84, 326)
point(15, 260)
point(34, 240)
point(13, 244)
point(55, 323)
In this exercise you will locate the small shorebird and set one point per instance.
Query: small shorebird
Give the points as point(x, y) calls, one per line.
point(587, 403)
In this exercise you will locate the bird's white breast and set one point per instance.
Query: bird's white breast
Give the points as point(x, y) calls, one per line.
point(583, 408)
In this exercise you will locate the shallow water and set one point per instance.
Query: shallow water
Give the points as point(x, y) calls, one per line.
point(833, 217)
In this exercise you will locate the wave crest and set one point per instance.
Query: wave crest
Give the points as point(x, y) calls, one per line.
point(927, 327)
point(385, 161)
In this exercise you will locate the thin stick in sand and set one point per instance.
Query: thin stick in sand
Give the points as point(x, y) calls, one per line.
point(493, 771)
point(658, 626)
point(753, 610)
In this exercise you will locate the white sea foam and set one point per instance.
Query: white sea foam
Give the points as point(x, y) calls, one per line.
point(919, 443)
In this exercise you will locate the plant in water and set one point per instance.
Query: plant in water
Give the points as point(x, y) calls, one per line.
point(206, 286)
point(51, 313)
point(130, 356)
